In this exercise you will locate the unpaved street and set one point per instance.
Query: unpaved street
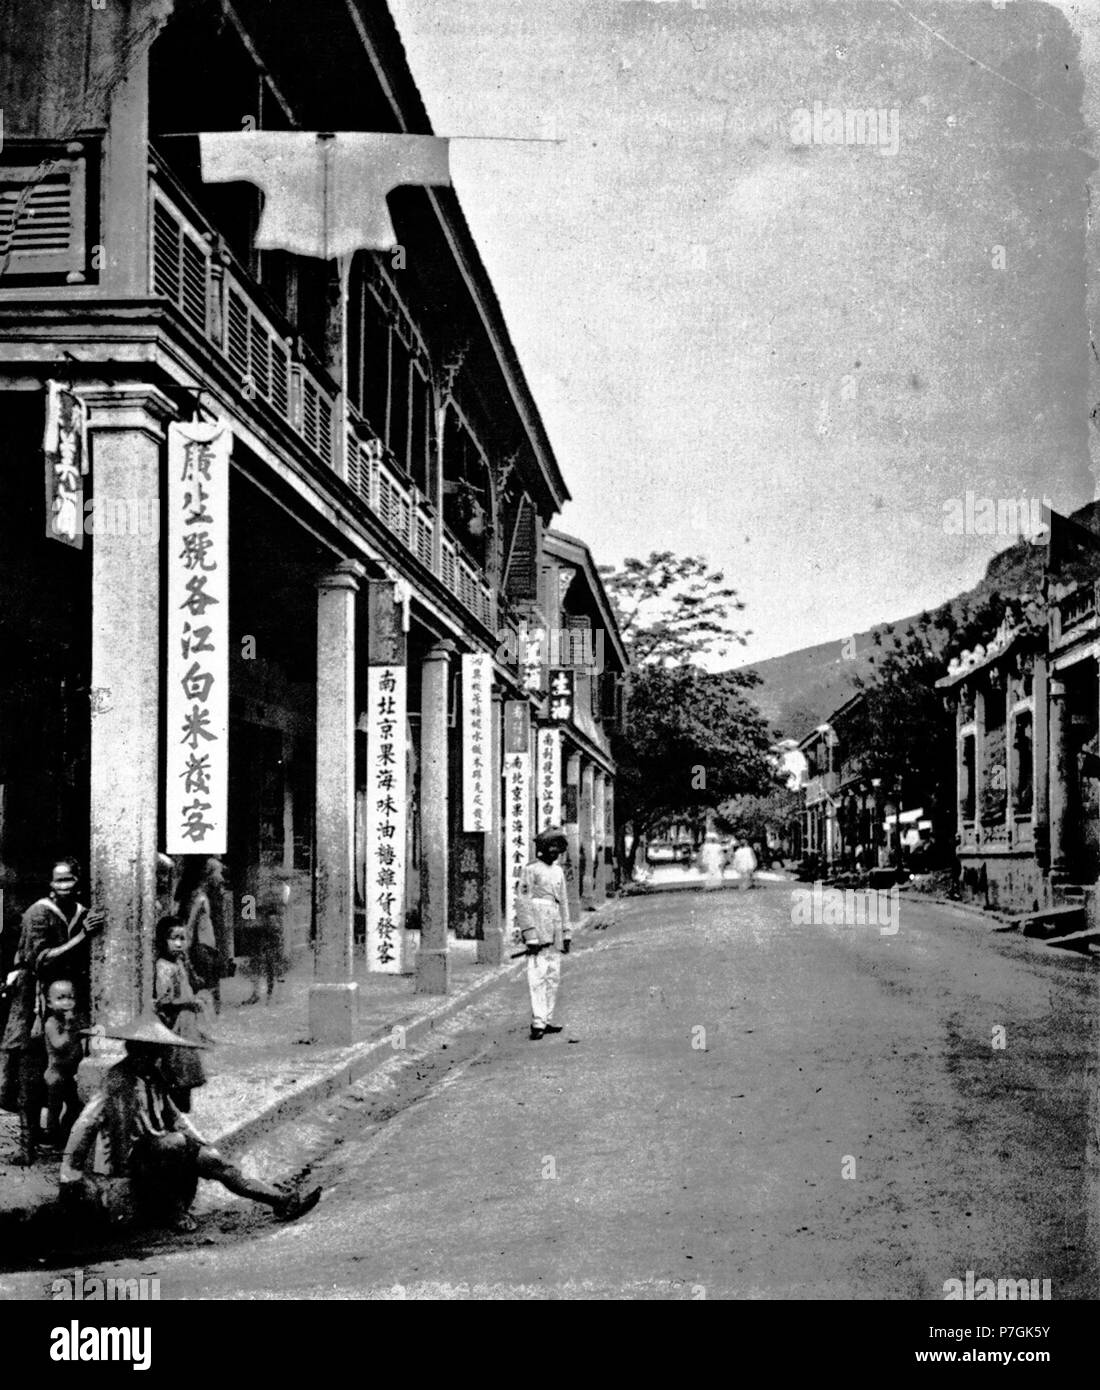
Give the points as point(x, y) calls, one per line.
point(739, 1107)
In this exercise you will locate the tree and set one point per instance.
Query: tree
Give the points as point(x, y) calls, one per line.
point(755, 815)
point(691, 738)
point(672, 609)
point(903, 728)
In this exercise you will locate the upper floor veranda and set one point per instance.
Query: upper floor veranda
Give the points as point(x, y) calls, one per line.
point(395, 383)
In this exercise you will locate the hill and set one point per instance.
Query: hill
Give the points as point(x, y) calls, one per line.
point(800, 689)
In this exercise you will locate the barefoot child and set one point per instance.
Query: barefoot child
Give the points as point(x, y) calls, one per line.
point(64, 1052)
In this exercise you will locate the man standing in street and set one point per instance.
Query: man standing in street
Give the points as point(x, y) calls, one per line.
point(542, 917)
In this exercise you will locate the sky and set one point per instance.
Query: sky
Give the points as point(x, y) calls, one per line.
point(792, 354)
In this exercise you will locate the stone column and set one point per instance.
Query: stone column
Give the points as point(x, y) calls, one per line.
point(979, 759)
point(585, 827)
point(432, 967)
point(599, 835)
point(1011, 759)
point(1061, 775)
point(611, 837)
point(333, 997)
point(960, 764)
point(572, 830)
point(127, 427)
point(490, 949)
point(1040, 756)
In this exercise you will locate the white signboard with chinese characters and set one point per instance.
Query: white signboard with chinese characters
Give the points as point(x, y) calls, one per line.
point(548, 780)
point(197, 667)
point(66, 450)
point(477, 712)
point(386, 816)
point(517, 828)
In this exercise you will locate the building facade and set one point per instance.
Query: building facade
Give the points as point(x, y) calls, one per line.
point(1026, 709)
point(345, 460)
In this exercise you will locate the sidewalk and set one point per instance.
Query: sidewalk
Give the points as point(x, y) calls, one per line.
point(264, 1070)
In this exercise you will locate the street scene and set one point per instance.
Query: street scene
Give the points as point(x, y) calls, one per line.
point(780, 1112)
point(550, 657)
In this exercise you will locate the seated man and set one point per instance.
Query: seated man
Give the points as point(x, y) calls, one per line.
point(146, 1156)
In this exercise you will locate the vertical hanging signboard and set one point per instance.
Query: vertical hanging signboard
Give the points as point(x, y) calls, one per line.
point(548, 780)
point(477, 678)
point(386, 794)
point(197, 653)
point(517, 805)
point(66, 452)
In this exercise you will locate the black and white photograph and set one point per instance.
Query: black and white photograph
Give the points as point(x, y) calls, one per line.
point(550, 666)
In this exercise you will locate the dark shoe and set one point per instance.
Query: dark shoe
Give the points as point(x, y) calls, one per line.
point(297, 1204)
point(552, 1028)
point(536, 1033)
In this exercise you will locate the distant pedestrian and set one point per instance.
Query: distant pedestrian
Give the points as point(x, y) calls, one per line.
point(542, 917)
point(201, 880)
point(744, 863)
point(265, 938)
point(710, 861)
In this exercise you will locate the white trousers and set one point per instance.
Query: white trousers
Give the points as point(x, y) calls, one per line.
point(543, 976)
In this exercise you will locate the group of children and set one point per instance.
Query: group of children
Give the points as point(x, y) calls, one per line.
point(180, 1004)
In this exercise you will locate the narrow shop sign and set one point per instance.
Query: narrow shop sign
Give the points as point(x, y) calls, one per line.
point(386, 819)
point(517, 804)
point(197, 667)
point(548, 780)
point(477, 678)
point(65, 446)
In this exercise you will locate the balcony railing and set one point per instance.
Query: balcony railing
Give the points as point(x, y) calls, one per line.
point(1076, 606)
point(188, 267)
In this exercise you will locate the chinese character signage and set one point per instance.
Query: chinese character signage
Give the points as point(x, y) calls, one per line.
point(477, 713)
point(386, 817)
point(197, 669)
point(548, 780)
point(560, 707)
point(517, 726)
point(65, 447)
point(517, 832)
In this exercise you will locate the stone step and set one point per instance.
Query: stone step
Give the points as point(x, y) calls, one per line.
point(1047, 921)
point(1077, 940)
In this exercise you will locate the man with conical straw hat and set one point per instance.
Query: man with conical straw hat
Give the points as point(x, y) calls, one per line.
point(133, 1155)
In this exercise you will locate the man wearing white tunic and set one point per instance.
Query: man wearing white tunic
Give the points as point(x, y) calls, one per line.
point(542, 917)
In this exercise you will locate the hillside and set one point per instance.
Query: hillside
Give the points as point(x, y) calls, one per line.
point(800, 689)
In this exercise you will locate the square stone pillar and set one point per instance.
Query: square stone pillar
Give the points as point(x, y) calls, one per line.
point(1040, 751)
point(490, 947)
point(333, 997)
point(979, 760)
point(585, 833)
point(432, 966)
point(599, 836)
point(571, 827)
point(127, 429)
point(1061, 781)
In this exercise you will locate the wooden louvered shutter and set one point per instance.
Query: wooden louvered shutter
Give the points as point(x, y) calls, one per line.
point(43, 218)
point(521, 574)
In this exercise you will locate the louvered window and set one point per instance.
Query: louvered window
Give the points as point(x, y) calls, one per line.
point(521, 575)
point(43, 215)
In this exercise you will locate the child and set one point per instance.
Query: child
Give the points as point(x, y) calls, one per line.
point(65, 1051)
point(179, 1007)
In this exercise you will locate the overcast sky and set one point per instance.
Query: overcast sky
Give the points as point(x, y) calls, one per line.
point(781, 353)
